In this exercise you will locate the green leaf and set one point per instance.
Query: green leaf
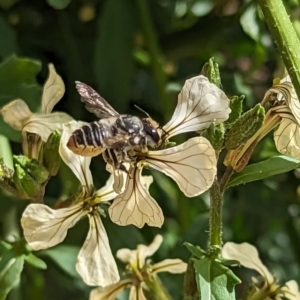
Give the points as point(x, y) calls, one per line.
point(270, 167)
point(114, 58)
point(214, 281)
point(65, 257)
point(35, 262)
point(11, 267)
point(7, 38)
point(18, 80)
point(250, 24)
point(195, 250)
point(59, 4)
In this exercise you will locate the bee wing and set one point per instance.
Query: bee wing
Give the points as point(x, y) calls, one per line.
point(94, 103)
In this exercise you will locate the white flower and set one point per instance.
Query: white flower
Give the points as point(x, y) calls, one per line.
point(192, 165)
point(45, 227)
point(248, 257)
point(140, 272)
point(18, 115)
point(285, 112)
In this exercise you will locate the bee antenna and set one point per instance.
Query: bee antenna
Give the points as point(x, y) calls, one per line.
point(142, 111)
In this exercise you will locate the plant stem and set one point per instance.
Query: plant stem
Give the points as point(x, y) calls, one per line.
point(156, 289)
point(229, 171)
point(215, 218)
point(155, 54)
point(284, 36)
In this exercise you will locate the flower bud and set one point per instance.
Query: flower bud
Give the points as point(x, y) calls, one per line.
point(32, 167)
point(211, 71)
point(25, 184)
point(236, 105)
point(51, 157)
point(245, 127)
point(215, 134)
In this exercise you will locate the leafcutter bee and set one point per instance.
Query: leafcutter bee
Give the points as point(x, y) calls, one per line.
point(113, 132)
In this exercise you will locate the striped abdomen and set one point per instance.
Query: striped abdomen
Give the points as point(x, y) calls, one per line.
point(88, 140)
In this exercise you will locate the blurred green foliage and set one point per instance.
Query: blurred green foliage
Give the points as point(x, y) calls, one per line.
point(140, 52)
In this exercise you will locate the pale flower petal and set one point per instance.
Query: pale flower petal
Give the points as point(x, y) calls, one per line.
point(109, 292)
point(192, 165)
point(136, 293)
point(107, 193)
point(136, 206)
point(287, 138)
point(175, 266)
point(16, 113)
point(288, 92)
point(53, 90)
point(248, 257)
point(138, 256)
point(44, 125)
point(80, 165)
point(291, 290)
point(45, 227)
point(200, 103)
point(95, 263)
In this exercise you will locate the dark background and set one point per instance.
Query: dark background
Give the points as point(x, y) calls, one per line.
point(140, 52)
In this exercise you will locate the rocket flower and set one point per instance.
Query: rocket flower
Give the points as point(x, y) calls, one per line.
point(192, 165)
point(45, 227)
point(248, 257)
point(36, 127)
point(283, 109)
point(140, 272)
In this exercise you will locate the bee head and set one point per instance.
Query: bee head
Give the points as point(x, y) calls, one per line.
point(153, 132)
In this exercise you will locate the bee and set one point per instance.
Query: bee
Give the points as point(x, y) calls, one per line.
point(114, 134)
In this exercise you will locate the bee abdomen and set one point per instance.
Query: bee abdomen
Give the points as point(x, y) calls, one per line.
point(87, 140)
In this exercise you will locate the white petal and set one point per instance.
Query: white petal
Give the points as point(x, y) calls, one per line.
point(199, 104)
point(146, 251)
point(138, 256)
point(44, 125)
point(175, 266)
point(248, 257)
point(287, 138)
point(109, 292)
point(192, 165)
point(16, 113)
point(136, 293)
point(53, 90)
point(136, 206)
point(95, 263)
point(45, 227)
point(119, 177)
point(291, 291)
point(107, 192)
point(80, 165)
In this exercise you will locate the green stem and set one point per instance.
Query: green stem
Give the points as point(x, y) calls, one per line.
point(156, 289)
point(215, 217)
point(155, 54)
point(284, 36)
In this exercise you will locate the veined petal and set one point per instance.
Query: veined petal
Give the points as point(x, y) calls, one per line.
point(175, 266)
point(291, 290)
point(109, 292)
point(192, 165)
point(44, 125)
point(53, 90)
point(16, 113)
point(248, 257)
point(136, 293)
point(45, 227)
point(287, 138)
point(138, 256)
point(95, 263)
point(199, 104)
point(136, 206)
point(80, 165)
point(107, 192)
